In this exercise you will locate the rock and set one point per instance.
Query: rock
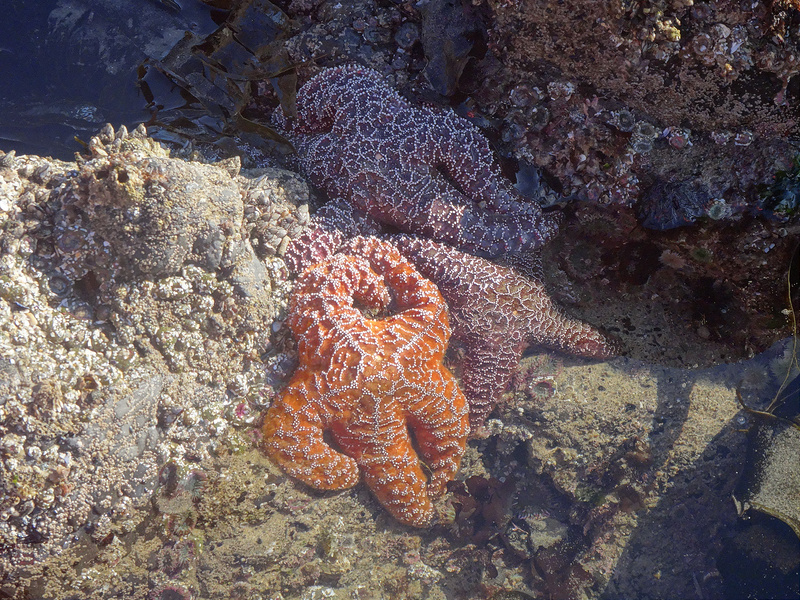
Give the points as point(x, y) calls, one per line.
point(626, 84)
point(133, 312)
point(159, 212)
point(771, 483)
point(626, 460)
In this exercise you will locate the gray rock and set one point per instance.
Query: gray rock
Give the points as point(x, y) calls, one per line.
point(147, 350)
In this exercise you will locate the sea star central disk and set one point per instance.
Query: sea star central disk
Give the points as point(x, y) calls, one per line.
point(421, 169)
point(367, 381)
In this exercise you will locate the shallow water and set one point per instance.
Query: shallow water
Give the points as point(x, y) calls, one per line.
point(619, 472)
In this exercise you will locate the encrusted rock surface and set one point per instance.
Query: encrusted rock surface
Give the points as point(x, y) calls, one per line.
point(135, 318)
point(615, 97)
point(718, 65)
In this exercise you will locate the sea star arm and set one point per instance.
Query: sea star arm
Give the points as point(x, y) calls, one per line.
point(441, 212)
point(400, 487)
point(315, 244)
point(439, 417)
point(464, 154)
point(335, 96)
point(421, 313)
point(325, 294)
point(553, 328)
point(330, 226)
point(496, 312)
point(487, 370)
point(378, 440)
point(293, 438)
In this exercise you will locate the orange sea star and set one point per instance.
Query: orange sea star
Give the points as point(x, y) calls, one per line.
point(366, 381)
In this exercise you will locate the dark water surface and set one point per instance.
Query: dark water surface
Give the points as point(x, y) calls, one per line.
point(69, 66)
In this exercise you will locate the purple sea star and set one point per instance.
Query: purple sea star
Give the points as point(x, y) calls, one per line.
point(423, 170)
point(332, 225)
point(497, 312)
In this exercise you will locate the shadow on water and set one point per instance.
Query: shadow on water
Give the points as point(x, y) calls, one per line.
point(684, 544)
point(67, 68)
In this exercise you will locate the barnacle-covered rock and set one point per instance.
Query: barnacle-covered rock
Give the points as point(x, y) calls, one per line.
point(673, 60)
point(159, 212)
point(133, 317)
point(644, 75)
point(276, 210)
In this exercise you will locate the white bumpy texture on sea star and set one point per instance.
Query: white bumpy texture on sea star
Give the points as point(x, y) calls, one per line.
point(423, 170)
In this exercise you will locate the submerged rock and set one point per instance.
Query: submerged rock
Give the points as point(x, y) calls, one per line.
point(635, 464)
point(771, 483)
